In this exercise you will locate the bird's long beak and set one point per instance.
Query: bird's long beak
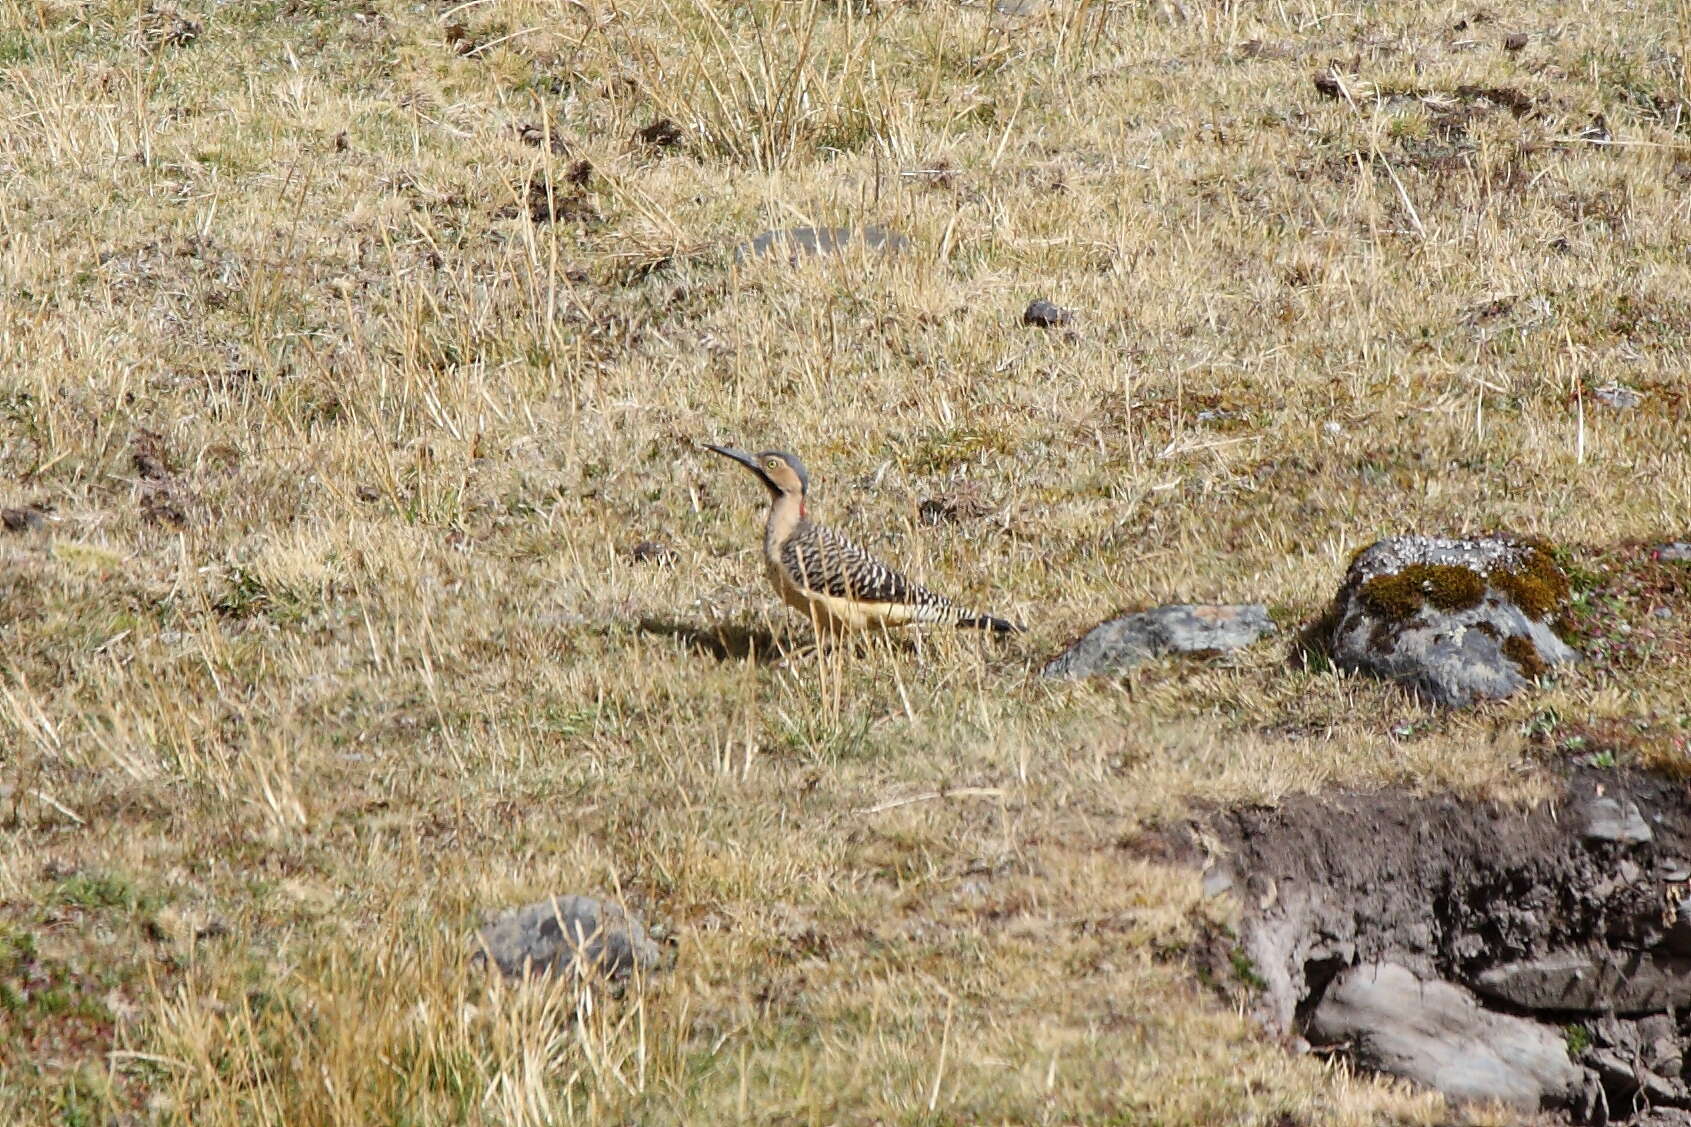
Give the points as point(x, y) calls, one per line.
point(744, 459)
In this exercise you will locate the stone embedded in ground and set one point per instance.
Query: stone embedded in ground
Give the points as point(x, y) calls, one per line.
point(26, 519)
point(1457, 621)
point(1044, 315)
point(797, 243)
point(1601, 980)
point(568, 935)
point(650, 551)
point(1437, 1034)
point(1617, 397)
point(1677, 552)
point(1609, 819)
point(1180, 628)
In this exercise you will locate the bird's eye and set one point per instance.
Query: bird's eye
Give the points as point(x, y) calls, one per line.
point(771, 463)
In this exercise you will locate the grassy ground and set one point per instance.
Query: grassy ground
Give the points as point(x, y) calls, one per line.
point(331, 642)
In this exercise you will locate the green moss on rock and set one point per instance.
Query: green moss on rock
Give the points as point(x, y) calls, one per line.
point(1536, 584)
point(1445, 587)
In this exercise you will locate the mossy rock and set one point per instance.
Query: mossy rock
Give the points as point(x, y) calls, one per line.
point(1458, 621)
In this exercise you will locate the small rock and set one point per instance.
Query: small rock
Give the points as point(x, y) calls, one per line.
point(26, 519)
point(1436, 1034)
point(531, 134)
point(661, 134)
point(1217, 880)
point(1122, 643)
point(1044, 315)
point(1515, 41)
point(1608, 819)
point(1616, 397)
point(798, 243)
point(1677, 552)
point(1456, 621)
point(1018, 7)
point(650, 551)
point(1597, 131)
point(568, 934)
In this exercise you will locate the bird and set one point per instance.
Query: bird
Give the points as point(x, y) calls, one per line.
point(828, 579)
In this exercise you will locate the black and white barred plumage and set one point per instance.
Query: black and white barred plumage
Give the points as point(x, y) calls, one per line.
point(818, 560)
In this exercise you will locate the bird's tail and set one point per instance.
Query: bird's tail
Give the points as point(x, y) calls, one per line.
point(987, 622)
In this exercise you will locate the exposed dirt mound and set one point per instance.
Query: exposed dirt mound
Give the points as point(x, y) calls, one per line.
point(1416, 930)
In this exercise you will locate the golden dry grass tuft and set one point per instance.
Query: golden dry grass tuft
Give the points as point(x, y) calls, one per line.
point(332, 641)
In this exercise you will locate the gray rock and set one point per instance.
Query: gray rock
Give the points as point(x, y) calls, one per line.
point(1610, 819)
point(1218, 879)
point(1436, 1034)
point(1122, 643)
point(1456, 621)
point(1045, 315)
point(1677, 552)
point(568, 934)
point(1623, 982)
point(1617, 397)
point(797, 243)
point(26, 519)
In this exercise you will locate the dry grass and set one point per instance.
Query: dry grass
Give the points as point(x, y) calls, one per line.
point(332, 643)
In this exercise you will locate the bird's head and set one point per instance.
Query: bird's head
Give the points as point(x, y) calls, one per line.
point(781, 473)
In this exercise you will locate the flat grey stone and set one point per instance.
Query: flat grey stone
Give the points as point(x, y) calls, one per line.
point(568, 935)
point(1617, 397)
point(1122, 643)
point(1623, 982)
point(1441, 617)
point(1611, 819)
point(1436, 1034)
point(1677, 552)
point(797, 243)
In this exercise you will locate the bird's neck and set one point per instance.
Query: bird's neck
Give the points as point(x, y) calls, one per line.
point(785, 513)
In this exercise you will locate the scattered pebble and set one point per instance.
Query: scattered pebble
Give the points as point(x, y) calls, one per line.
point(1677, 552)
point(27, 519)
point(1044, 315)
point(1617, 397)
point(661, 134)
point(650, 551)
